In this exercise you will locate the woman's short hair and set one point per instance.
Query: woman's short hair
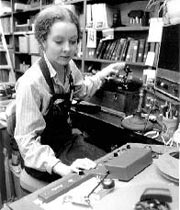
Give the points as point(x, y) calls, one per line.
point(47, 17)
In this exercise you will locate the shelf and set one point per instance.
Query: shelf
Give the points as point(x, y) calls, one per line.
point(8, 33)
point(33, 9)
point(17, 52)
point(23, 32)
point(112, 61)
point(75, 1)
point(77, 58)
point(100, 1)
point(125, 28)
point(132, 28)
point(3, 50)
point(19, 71)
point(5, 15)
point(5, 67)
point(36, 9)
point(26, 53)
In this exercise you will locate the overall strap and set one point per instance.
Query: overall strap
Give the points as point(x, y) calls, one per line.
point(71, 86)
point(46, 74)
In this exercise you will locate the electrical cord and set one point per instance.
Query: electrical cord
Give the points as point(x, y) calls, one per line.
point(100, 182)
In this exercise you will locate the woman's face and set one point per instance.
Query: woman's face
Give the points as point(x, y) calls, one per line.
point(61, 43)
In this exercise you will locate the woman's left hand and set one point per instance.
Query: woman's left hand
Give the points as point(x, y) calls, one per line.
point(114, 68)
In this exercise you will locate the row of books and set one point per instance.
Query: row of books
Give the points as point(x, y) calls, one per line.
point(123, 49)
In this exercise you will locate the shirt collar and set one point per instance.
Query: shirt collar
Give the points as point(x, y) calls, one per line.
point(52, 71)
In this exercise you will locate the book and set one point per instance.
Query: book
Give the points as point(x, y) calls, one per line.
point(111, 50)
point(152, 46)
point(89, 20)
point(119, 48)
point(103, 49)
point(157, 47)
point(146, 49)
point(132, 51)
point(108, 48)
point(98, 49)
point(135, 50)
point(141, 50)
point(115, 49)
point(124, 50)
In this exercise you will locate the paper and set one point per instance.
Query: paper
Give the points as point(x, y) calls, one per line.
point(150, 59)
point(149, 76)
point(155, 30)
point(108, 33)
point(91, 38)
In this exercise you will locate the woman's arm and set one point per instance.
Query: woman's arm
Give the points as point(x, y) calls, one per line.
point(29, 126)
point(86, 87)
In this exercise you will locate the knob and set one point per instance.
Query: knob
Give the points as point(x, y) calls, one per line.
point(176, 92)
point(115, 154)
point(164, 85)
point(108, 183)
point(158, 83)
point(128, 146)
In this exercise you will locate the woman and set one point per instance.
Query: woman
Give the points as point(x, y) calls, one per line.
point(43, 95)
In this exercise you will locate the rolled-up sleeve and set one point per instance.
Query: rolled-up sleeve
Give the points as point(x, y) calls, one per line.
point(32, 100)
point(87, 86)
point(29, 126)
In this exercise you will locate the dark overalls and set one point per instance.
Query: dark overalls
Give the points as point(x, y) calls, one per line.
point(58, 132)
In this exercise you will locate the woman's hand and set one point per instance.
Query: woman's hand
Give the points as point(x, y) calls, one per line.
point(77, 166)
point(62, 169)
point(114, 68)
point(82, 164)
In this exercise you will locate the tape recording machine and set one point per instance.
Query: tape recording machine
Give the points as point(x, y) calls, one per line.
point(168, 67)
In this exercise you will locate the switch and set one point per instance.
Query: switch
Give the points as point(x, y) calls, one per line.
point(115, 154)
point(128, 146)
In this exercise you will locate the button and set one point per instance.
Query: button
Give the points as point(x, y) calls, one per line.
point(115, 154)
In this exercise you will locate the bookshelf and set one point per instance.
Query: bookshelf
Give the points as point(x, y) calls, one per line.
point(20, 37)
point(124, 29)
point(124, 33)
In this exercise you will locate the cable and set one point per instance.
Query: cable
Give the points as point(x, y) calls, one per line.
point(107, 173)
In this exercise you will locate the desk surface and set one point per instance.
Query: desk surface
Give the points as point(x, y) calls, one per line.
point(124, 196)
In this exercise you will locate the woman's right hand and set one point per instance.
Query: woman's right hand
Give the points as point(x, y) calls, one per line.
point(111, 69)
point(77, 166)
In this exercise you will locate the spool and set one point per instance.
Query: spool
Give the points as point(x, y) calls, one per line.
point(108, 183)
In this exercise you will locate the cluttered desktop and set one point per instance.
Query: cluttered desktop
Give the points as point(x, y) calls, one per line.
point(132, 177)
point(141, 167)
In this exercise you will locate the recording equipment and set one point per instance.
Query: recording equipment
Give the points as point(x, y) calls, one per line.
point(122, 164)
point(154, 198)
point(129, 163)
point(168, 67)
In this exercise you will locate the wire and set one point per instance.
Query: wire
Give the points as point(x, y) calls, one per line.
point(147, 119)
point(107, 173)
point(7, 206)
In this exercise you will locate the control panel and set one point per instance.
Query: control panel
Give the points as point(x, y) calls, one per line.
point(168, 87)
point(159, 103)
point(121, 164)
